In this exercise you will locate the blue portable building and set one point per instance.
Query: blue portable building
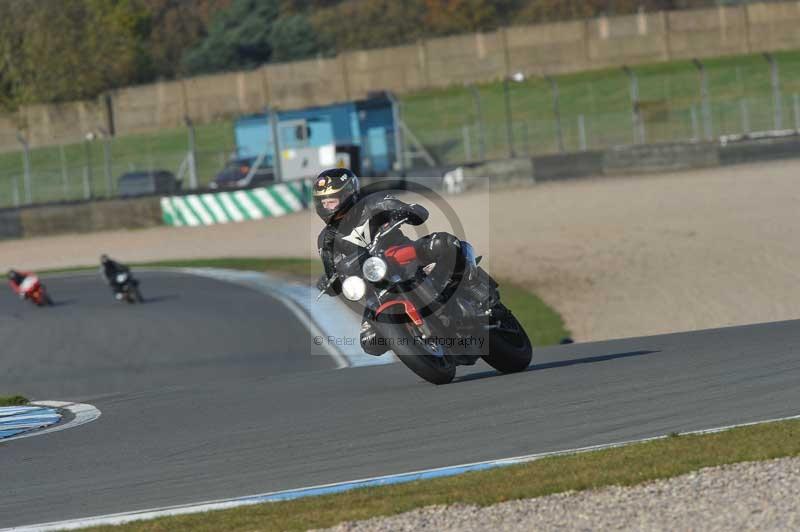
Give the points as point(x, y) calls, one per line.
point(364, 129)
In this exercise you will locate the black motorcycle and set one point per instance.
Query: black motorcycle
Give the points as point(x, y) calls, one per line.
point(431, 322)
point(126, 288)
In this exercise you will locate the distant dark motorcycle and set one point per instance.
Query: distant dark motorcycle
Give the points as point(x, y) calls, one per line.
point(431, 334)
point(126, 288)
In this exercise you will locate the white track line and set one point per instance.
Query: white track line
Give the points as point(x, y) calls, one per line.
point(275, 496)
point(83, 414)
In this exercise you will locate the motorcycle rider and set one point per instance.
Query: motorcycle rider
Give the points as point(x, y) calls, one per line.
point(351, 220)
point(15, 280)
point(110, 269)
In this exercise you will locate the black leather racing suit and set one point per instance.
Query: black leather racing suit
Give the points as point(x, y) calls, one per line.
point(110, 269)
point(356, 227)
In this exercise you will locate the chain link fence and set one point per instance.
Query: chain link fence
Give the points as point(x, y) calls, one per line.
point(91, 169)
point(522, 116)
point(525, 116)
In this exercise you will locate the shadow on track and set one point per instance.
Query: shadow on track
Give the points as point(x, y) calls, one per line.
point(556, 364)
point(64, 302)
point(159, 299)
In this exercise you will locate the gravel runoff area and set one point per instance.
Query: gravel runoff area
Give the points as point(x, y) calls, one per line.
point(618, 257)
point(748, 496)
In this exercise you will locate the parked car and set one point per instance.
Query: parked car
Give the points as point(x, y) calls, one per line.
point(244, 172)
point(146, 183)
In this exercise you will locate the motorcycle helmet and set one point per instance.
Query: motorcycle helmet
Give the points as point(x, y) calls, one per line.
point(12, 275)
point(334, 191)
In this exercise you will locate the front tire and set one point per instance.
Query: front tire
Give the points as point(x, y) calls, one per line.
point(429, 362)
point(510, 349)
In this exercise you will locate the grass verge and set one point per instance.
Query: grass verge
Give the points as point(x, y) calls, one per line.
point(13, 400)
point(544, 325)
point(625, 466)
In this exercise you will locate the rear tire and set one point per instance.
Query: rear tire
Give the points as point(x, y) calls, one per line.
point(510, 349)
point(420, 358)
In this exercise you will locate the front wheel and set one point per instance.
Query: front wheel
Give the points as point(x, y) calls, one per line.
point(428, 361)
point(510, 349)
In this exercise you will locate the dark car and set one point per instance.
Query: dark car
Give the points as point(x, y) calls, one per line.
point(244, 173)
point(148, 183)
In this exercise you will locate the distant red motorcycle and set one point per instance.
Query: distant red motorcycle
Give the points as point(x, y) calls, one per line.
point(28, 286)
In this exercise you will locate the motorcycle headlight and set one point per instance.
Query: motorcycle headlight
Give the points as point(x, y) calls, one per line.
point(354, 288)
point(374, 269)
point(122, 277)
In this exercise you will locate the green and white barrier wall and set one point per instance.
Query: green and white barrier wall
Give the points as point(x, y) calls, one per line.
point(236, 206)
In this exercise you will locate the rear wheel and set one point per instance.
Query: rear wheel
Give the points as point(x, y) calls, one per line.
point(510, 349)
point(427, 360)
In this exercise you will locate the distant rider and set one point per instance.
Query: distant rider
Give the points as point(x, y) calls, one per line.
point(110, 269)
point(15, 280)
point(352, 220)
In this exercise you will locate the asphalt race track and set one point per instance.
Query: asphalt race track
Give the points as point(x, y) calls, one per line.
point(208, 392)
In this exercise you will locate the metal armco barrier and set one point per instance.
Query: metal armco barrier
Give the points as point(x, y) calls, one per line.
point(235, 206)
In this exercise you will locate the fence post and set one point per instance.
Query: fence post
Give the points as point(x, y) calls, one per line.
point(582, 132)
point(467, 145)
point(107, 166)
point(796, 98)
point(192, 155)
point(509, 118)
point(476, 96)
point(150, 162)
point(88, 178)
point(526, 139)
point(87, 188)
point(708, 125)
point(276, 145)
point(557, 113)
point(695, 124)
point(64, 172)
point(776, 90)
point(15, 191)
point(26, 163)
point(399, 148)
point(745, 112)
point(636, 116)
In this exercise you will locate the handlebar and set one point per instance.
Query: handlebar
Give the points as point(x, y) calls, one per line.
point(370, 248)
point(381, 234)
point(327, 286)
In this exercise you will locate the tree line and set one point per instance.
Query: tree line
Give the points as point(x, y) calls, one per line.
point(62, 50)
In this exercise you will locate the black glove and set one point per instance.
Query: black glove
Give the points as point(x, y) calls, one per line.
point(396, 216)
point(322, 284)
